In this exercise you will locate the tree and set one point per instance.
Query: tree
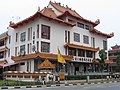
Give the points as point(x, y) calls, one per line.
point(103, 57)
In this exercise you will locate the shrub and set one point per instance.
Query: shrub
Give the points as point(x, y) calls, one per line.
point(83, 77)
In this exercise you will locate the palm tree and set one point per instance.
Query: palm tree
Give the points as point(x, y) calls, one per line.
point(103, 57)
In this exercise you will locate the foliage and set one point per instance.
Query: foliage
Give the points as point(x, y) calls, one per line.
point(103, 57)
point(17, 83)
point(83, 77)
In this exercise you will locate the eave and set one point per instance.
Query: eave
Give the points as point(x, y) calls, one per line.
point(81, 47)
point(42, 55)
point(36, 15)
point(95, 31)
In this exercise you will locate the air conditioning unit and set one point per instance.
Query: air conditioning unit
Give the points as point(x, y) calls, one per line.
point(22, 53)
point(33, 48)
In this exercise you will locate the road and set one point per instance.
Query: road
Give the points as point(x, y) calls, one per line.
point(106, 86)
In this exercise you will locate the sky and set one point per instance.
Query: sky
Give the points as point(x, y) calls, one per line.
point(108, 11)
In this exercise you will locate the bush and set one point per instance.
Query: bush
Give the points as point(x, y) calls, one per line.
point(83, 77)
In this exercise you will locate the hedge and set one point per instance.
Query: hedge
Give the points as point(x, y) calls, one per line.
point(83, 77)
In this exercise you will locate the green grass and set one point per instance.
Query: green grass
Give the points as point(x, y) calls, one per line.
point(17, 83)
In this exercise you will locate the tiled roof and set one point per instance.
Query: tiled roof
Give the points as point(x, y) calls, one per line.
point(71, 12)
point(46, 64)
point(81, 47)
point(39, 14)
point(100, 33)
point(48, 12)
point(64, 9)
point(42, 55)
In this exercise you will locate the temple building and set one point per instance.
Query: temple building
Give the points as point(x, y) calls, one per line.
point(34, 42)
point(112, 55)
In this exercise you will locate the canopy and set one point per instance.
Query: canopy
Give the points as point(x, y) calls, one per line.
point(46, 64)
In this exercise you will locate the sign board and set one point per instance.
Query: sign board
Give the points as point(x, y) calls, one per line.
point(62, 76)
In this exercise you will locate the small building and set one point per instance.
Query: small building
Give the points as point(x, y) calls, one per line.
point(112, 54)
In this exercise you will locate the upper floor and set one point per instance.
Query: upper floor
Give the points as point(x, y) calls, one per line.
point(50, 29)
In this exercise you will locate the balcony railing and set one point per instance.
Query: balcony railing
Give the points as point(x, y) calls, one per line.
point(83, 59)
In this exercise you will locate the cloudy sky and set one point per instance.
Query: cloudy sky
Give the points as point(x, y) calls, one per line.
point(108, 11)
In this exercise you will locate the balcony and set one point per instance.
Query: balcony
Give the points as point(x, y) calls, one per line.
point(83, 59)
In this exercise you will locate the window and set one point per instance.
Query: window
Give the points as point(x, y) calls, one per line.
point(45, 47)
point(1, 43)
point(8, 52)
point(92, 42)
point(23, 36)
point(81, 53)
point(85, 39)
point(69, 20)
point(76, 37)
point(72, 51)
point(22, 49)
point(87, 27)
point(37, 45)
point(33, 35)
point(29, 33)
point(28, 48)
point(9, 39)
point(81, 25)
point(38, 31)
point(89, 54)
point(33, 42)
point(104, 45)
point(16, 37)
point(2, 54)
point(23, 63)
point(45, 32)
point(67, 36)
point(27, 66)
point(15, 51)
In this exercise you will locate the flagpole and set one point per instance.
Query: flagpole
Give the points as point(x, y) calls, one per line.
point(62, 61)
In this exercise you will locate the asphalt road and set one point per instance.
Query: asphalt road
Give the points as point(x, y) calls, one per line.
point(106, 86)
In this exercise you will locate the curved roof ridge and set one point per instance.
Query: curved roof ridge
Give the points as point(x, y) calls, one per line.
point(101, 33)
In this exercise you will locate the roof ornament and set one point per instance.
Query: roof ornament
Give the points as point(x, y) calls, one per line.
point(11, 23)
point(67, 6)
point(97, 21)
point(38, 8)
point(59, 3)
point(112, 34)
point(63, 5)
